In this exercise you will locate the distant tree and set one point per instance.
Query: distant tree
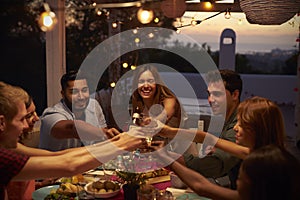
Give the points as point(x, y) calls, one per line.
point(242, 64)
point(291, 65)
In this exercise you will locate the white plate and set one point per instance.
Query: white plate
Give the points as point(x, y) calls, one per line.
point(101, 195)
point(87, 179)
point(41, 193)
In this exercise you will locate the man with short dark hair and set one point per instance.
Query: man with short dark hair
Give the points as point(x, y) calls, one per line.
point(76, 120)
point(223, 102)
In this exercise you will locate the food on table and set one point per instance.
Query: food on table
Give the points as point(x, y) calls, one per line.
point(77, 179)
point(103, 187)
point(69, 188)
point(147, 189)
point(156, 173)
point(65, 191)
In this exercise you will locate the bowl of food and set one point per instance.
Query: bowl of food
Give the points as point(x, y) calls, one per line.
point(63, 191)
point(103, 188)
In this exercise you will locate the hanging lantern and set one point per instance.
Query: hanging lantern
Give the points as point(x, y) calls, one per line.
point(269, 12)
point(173, 8)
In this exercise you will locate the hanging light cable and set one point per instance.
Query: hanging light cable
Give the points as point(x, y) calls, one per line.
point(196, 22)
point(47, 19)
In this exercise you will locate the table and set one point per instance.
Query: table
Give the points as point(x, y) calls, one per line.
point(160, 186)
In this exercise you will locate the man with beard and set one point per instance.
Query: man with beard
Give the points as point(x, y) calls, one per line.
point(76, 120)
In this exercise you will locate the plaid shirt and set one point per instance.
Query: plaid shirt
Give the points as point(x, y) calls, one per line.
point(11, 163)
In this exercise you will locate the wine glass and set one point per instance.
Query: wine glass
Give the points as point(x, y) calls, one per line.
point(148, 128)
point(109, 169)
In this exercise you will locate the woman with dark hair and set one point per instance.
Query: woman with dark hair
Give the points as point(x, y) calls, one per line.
point(262, 121)
point(269, 172)
point(150, 90)
point(259, 124)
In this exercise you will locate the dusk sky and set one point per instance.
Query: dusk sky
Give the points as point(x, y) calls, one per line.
point(250, 37)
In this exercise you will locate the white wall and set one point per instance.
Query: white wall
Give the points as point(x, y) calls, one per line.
point(278, 88)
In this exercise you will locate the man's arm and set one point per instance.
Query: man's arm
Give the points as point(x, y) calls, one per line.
point(78, 160)
point(22, 149)
point(77, 129)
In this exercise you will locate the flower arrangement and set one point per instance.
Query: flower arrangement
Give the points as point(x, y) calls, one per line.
point(132, 178)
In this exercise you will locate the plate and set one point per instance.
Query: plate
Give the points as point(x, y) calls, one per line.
point(86, 179)
point(100, 195)
point(191, 196)
point(41, 193)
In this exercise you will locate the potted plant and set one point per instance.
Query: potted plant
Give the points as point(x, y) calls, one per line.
point(132, 182)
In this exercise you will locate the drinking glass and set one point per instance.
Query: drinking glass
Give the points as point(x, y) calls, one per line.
point(109, 169)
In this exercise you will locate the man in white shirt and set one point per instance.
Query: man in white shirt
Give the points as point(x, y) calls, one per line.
point(76, 120)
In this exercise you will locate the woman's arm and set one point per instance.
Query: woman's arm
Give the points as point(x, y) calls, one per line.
point(228, 146)
point(170, 107)
point(200, 185)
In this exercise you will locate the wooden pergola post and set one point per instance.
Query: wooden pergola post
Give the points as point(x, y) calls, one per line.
point(55, 53)
point(297, 106)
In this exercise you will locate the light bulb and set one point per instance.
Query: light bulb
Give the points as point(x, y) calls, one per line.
point(125, 65)
point(137, 40)
point(112, 84)
point(145, 16)
point(47, 19)
point(207, 5)
point(193, 22)
point(114, 25)
point(227, 15)
point(133, 67)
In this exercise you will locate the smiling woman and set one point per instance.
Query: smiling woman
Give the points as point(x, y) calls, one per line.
point(150, 90)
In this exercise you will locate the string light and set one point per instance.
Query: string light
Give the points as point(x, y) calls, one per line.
point(98, 12)
point(47, 19)
point(135, 31)
point(196, 22)
point(114, 24)
point(156, 20)
point(208, 5)
point(227, 15)
point(133, 67)
point(145, 16)
point(125, 65)
point(151, 35)
point(112, 84)
point(137, 40)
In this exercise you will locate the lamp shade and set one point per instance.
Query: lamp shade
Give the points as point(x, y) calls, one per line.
point(173, 8)
point(269, 12)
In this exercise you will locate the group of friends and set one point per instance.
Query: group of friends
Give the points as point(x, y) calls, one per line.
point(74, 138)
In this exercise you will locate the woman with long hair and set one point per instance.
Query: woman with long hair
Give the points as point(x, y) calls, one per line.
point(259, 124)
point(150, 90)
